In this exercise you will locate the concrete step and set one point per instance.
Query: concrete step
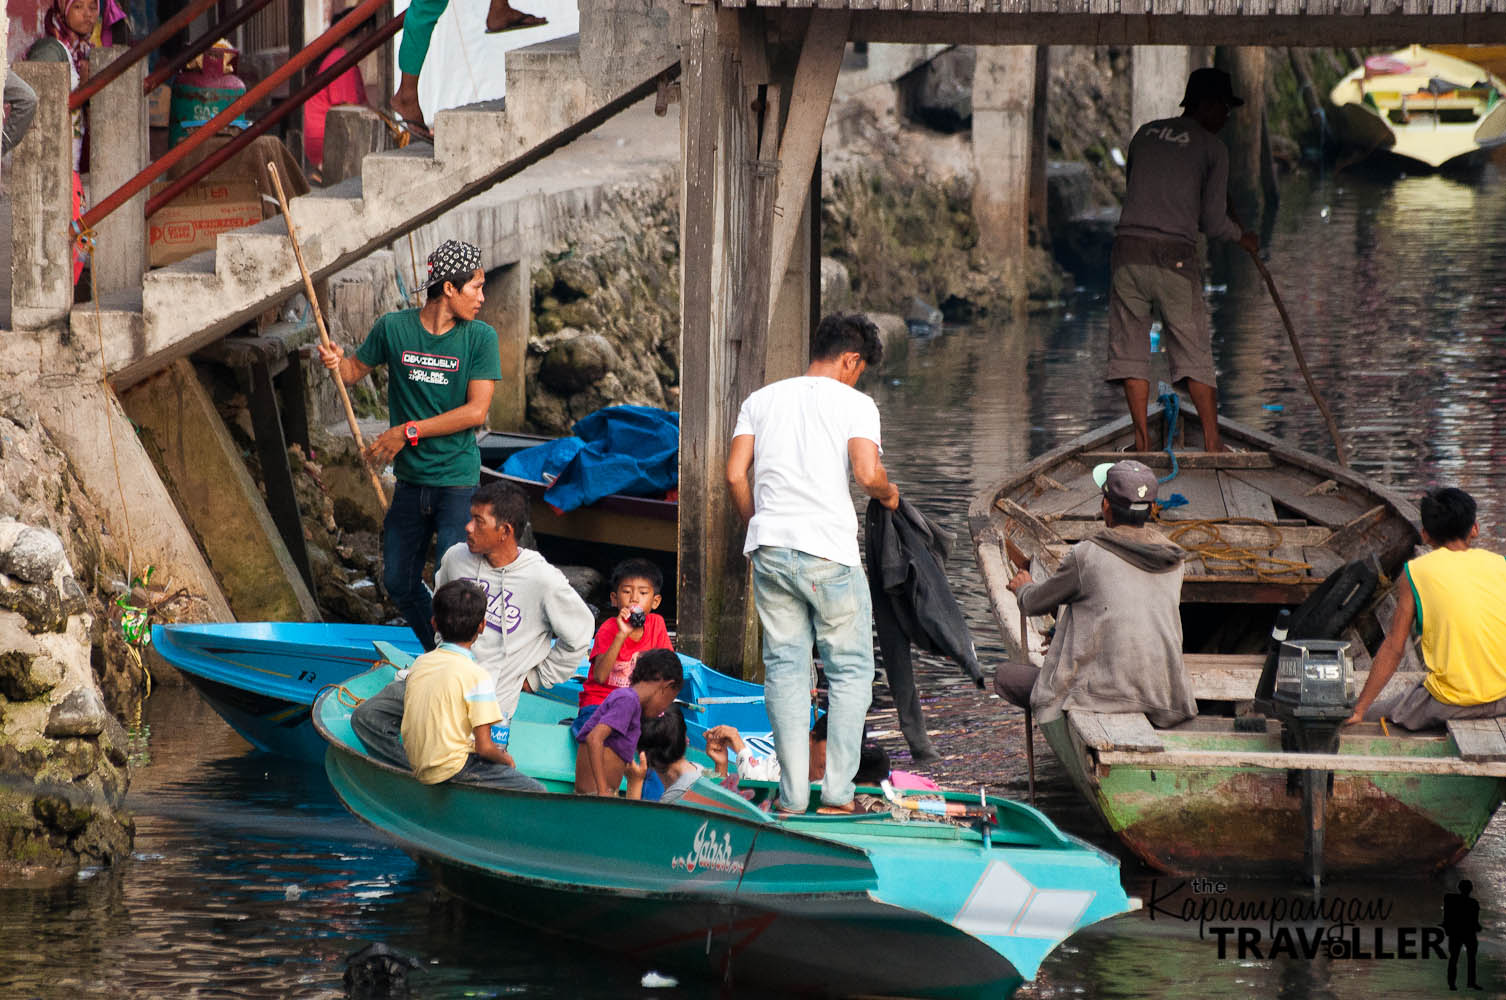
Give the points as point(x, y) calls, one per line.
point(201, 298)
point(546, 91)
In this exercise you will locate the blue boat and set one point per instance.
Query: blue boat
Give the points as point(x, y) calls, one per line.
point(261, 677)
point(715, 886)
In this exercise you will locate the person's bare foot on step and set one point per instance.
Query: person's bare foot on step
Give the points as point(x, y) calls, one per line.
point(404, 103)
point(500, 16)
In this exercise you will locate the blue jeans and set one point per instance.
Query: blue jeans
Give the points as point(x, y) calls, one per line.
point(804, 600)
point(418, 514)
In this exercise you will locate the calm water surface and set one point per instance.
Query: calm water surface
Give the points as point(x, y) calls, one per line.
point(249, 879)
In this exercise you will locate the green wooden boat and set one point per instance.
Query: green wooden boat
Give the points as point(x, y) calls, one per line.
point(715, 886)
point(1205, 797)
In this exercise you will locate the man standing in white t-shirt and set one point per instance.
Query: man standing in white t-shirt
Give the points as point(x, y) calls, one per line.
point(792, 448)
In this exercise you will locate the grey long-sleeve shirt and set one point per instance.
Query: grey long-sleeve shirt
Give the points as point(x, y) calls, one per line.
point(1118, 643)
point(1178, 181)
point(537, 628)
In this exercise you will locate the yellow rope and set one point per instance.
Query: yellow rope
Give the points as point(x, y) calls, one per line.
point(1215, 552)
point(344, 695)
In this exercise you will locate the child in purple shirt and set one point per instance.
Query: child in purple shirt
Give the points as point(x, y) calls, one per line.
point(608, 738)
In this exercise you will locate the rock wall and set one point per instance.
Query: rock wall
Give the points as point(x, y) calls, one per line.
point(65, 669)
point(606, 311)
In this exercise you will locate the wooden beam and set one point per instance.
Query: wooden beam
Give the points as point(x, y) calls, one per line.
point(700, 333)
point(1084, 28)
point(800, 144)
point(1185, 460)
point(1339, 763)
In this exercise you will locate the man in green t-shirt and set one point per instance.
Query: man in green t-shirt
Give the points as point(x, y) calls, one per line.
point(442, 367)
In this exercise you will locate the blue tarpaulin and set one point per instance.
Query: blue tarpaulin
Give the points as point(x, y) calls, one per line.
point(634, 450)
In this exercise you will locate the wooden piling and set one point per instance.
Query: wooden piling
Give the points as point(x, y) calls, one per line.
point(752, 124)
point(1003, 85)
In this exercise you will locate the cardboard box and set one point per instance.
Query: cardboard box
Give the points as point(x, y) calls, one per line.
point(190, 223)
point(159, 106)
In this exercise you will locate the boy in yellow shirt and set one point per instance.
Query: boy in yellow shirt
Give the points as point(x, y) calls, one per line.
point(450, 702)
point(1455, 599)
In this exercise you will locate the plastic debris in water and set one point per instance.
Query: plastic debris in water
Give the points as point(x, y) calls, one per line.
point(1324, 213)
point(1117, 155)
point(293, 891)
point(85, 874)
point(1273, 407)
point(657, 981)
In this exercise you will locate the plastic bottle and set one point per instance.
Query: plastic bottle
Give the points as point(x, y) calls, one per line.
point(1279, 630)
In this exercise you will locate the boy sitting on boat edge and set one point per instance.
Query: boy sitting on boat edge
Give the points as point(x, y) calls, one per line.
point(450, 702)
point(1456, 598)
point(1118, 644)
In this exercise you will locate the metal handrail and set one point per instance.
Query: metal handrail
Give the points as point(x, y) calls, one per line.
point(302, 58)
point(262, 124)
point(137, 52)
point(163, 73)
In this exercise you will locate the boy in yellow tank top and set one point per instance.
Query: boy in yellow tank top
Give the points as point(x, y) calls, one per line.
point(1455, 599)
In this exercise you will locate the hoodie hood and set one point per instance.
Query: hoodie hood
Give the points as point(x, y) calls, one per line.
point(1143, 548)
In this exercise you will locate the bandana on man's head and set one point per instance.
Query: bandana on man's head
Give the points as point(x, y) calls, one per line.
point(453, 261)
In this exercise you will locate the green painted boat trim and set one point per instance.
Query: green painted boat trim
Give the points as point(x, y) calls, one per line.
point(1244, 820)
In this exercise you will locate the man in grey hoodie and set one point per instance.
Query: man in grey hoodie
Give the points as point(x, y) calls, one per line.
point(1118, 643)
point(537, 632)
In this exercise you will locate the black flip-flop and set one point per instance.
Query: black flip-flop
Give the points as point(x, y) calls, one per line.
point(523, 21)
point(397, 123)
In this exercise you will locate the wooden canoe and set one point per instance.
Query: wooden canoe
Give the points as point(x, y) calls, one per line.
point(1424, 104)
point(623, 521)
point(1202, 797)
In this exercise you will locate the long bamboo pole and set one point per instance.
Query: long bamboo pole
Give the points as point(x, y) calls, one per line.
point(308, 287)
point(1291, 334)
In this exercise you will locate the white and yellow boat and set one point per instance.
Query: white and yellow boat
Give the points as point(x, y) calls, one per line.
point(1422, 104)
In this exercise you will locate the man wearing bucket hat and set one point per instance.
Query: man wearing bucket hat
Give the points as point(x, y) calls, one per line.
point(442, 367)
point(1176, 184)
point(1118, 642)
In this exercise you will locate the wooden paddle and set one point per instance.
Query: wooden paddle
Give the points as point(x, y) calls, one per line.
point(308, 287)
point(1291, 334)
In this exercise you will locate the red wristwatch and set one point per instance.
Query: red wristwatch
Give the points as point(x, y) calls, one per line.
point(410, 431)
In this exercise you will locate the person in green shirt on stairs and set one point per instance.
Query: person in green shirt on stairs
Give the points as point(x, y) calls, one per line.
point(442, 368)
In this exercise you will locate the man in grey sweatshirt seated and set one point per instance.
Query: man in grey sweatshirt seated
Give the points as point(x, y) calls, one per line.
point(1118, 642)
point(538, 628)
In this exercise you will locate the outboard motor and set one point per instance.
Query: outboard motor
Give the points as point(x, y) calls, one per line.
point(1313, 693)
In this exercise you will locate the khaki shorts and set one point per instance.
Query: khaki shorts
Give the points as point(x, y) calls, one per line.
point(1151, 277)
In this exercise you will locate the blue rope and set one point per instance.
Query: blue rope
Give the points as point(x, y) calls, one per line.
point(1172, 405)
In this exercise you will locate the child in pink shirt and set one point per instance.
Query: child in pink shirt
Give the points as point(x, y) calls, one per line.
point(636, 586)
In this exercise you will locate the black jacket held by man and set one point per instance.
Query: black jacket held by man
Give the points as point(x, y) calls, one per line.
point(913, 603)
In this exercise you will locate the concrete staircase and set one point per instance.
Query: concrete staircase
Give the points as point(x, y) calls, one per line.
point(180, 308)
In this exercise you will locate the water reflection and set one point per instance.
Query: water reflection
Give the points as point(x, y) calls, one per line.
point(252, 881)
point(1399, 300)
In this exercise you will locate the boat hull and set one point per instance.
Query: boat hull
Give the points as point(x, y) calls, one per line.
point(261, 677)
point(714, 886)
point(1247, 820)
point(828, 943)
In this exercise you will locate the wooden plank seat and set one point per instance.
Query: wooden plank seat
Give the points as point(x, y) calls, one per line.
point(1478, 739)
point(1129, 731)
